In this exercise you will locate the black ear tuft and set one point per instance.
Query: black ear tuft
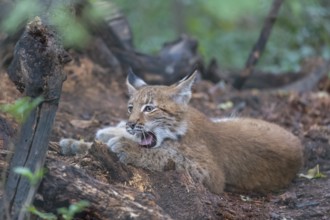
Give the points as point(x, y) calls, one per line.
point(182, 89)
point(193, 74)
point(131, 77)
point(133, 82)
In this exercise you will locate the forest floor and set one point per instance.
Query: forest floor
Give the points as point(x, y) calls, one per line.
point(92, 98)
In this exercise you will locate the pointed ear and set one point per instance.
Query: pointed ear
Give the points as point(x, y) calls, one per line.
point(181, 92)
point(133, 82)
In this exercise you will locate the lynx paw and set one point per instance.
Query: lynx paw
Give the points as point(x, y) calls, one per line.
point(105, 134)
point(72, 147)
point(119, 146)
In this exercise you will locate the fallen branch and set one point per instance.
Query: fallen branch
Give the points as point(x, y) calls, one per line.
point(66, 184)
point(174, 192)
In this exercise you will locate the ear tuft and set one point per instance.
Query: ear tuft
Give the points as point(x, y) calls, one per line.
point(133, 82)
point(182, 90)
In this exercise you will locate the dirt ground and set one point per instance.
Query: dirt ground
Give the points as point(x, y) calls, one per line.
point(93, 98)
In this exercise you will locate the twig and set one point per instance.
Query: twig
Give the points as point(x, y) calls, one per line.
point(259, 46)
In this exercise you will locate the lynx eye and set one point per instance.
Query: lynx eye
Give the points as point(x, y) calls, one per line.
point(148, 108)
point(129, 108)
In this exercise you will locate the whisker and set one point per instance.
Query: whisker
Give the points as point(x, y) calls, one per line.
point(143, 134)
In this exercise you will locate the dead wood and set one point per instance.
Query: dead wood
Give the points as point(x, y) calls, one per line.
point(214, 73)
point(6, 132)
point(66, 184)
point(311, 79)
point(175, 192)
point(148, 195)
point(259, 46)
point(36, 70)
point(117, 171)
point(174, 61)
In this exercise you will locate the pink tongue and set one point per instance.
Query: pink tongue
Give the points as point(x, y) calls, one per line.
point(146, 140)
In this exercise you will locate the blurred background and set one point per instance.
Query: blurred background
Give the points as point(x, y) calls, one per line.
point(227, 29)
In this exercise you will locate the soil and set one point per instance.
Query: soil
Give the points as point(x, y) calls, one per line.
point(93, 98)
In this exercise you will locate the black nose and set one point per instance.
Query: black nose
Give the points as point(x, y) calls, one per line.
point(130, 124)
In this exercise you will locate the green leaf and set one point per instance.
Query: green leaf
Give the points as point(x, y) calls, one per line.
point(42, 215)
point(68, 213)
point(62, 210)
point(21, 108)
point(78, 207)
point(26, 172)
point(33, 178)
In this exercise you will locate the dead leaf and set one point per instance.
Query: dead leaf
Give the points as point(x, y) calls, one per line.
point(245, 198)
point(226, 105)
point(313, 173)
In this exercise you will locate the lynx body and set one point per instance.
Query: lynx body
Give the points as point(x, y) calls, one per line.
point(237, 153)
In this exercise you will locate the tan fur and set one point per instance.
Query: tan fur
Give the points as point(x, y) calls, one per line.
point(240, 153)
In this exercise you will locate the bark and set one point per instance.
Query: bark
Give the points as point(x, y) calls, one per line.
point(169, 193)
point(6, 132)
point(36, 70)
point(117, 171)
point(66, 184)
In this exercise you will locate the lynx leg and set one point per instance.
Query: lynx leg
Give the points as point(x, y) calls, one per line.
point(216, 182)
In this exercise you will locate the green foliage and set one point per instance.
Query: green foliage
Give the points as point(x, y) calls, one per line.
point(21, 108)
point(227, 29)
point(68, 213)
point(33, 178)
point(302, 31)
point(151, 22)
point(224, 29)
point(25, 9)
point(73, 31)
point(42, 215)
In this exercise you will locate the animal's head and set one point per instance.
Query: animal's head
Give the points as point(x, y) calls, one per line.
point(157, 113)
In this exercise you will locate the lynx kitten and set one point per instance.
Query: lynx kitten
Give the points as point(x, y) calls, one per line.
point(237, 154)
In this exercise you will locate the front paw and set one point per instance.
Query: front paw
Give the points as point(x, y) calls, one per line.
point(105, 134)
point(121, 148)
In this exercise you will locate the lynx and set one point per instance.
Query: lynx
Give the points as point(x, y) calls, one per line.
point(240, 154)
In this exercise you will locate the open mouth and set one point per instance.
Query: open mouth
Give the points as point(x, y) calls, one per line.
point(148, 140)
